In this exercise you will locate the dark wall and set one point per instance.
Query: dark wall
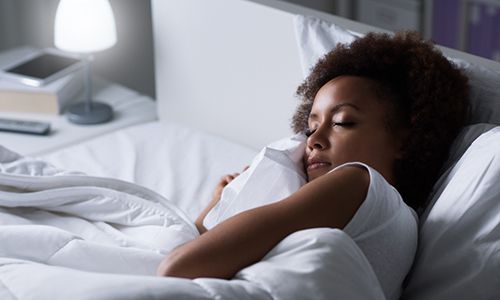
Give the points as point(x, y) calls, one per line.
point(130, 62)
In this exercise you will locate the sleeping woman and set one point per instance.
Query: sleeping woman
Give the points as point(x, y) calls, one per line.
point(380, 115)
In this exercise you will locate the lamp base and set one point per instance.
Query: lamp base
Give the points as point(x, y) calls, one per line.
point(99, 113)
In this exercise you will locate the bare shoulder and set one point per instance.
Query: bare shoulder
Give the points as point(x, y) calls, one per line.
point(332, 199)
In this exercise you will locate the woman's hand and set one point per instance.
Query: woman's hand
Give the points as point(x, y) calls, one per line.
point(225, 180)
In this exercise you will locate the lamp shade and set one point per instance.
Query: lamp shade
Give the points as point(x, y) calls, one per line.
point(84, 26)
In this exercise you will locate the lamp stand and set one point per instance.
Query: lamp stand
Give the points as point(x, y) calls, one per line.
point(89, 112)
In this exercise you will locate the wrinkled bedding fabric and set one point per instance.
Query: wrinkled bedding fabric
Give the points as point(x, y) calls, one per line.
point(65, 235)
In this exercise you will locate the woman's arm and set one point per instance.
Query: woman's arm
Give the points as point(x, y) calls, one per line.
point(329, 201)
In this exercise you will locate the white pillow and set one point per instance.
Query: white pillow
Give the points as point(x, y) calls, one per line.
point(484, 92)
point(275, 173)
point(459, 240)
point(316, 37)
point(461, 143)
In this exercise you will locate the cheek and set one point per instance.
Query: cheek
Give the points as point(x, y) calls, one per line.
point(358, 146)
point(350, 142)
point(381, 144)
point(307, 152)
point(344, 149)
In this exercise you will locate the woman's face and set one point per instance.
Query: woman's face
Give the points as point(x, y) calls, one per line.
point(347, 123)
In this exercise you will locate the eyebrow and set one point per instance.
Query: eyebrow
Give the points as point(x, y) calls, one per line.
point(336, 109)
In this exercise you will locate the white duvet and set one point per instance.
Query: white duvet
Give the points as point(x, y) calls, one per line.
point(64, 235)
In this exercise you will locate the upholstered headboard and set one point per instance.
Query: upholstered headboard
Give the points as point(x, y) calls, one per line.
point(231, 67)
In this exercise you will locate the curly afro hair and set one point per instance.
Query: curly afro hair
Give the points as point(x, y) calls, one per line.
point(425, 93)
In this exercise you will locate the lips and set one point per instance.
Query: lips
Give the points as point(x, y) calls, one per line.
point(316, 163)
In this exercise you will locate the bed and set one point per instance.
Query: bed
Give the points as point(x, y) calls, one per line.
point(88, 221)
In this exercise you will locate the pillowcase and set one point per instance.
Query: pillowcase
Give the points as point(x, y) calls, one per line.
point(484, 92)
point(461, 143)
point(459, 241)
point(316, 37)
point(274, 174)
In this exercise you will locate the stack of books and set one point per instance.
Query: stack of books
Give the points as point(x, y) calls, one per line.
point(51, 98)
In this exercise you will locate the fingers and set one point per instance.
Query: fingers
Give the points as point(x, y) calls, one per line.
point(229, 177)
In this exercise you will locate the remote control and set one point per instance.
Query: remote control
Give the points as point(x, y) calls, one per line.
point(23, 126)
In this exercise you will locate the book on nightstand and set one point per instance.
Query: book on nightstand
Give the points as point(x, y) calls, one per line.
point(50, 98)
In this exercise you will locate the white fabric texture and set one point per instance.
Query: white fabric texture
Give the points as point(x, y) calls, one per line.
point(317, 263)
point(459, 251)
point(316, 37)
point(53, 217)
point(385, 229)
point(274, 174)
point(181, 164)
point(70, 236)
point(484, 92)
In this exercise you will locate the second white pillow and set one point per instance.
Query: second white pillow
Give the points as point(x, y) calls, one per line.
point(275, 173)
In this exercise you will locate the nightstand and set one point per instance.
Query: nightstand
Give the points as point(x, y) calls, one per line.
point(129, 108)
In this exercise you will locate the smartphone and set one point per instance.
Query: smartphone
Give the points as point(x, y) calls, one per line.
point(41, 67)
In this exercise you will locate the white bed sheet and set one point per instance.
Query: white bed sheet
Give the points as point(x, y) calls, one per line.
point(181, 164)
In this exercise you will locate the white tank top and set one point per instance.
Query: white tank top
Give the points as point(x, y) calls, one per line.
point(386, 230)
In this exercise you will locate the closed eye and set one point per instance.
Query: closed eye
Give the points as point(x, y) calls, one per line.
point(308, 132)
point(343, 124)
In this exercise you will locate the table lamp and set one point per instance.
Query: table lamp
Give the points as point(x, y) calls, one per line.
point(84, 27)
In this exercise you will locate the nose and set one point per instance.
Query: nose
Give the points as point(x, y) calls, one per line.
point(318, 139)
